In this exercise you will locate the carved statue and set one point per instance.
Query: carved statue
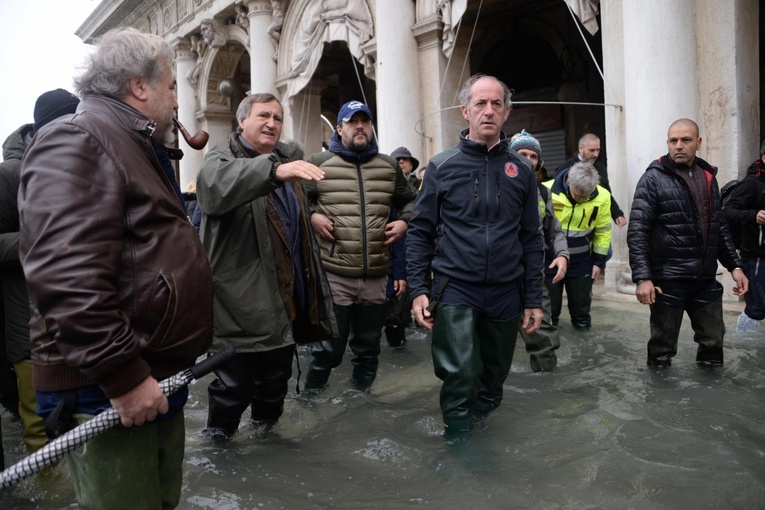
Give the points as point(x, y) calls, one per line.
point(241, 17)
point(212, 36)
point(324, 21)
point(278, 8)
point(451, 13)
point(212, 33)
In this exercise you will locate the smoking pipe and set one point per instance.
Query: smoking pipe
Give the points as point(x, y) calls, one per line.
point(198, 141)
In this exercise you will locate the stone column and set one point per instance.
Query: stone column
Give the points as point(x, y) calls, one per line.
point(262, 50)
point(307, 127)
point(728, 55)
point(660, 77)
point(442, 119)
point(654, 88)
point(398, 78)
point(187, 107)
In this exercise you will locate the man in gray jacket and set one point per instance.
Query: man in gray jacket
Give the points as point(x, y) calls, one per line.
point(270, 289)
point(542, 343)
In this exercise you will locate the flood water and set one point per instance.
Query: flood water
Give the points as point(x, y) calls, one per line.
point(602, 431)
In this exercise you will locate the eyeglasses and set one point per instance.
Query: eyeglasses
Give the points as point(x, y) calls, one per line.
point(581, 198)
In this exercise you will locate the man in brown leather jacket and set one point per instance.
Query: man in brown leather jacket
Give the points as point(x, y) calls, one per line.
point(119, 284)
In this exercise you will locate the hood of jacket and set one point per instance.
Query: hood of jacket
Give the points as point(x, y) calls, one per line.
point(16, 143)
point(336, 146)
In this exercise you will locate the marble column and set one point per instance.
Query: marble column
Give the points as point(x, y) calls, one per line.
point(185, 60)
point(262, 63)
point(398, 78)
point(441, 118)
point(307, 127)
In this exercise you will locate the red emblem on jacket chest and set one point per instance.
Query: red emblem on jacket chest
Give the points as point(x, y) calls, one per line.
point(511, 170)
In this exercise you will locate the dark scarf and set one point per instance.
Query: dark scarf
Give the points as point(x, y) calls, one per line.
point(336, 146)
point(287, 206)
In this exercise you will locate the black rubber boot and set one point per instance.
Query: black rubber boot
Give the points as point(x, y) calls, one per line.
point(665, 328)
point(709, 331)
point(395, 327)
point(542, 343)
point(556, 299)
point(367, 328)
point(273, 370)
point(457, 362)
point(497, 339)
point(328, 354)
point(229, 395)
point(579, 294)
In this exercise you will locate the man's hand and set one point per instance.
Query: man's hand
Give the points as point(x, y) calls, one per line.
point(532, 319)
point(742, 282)
point(596, 270)
point(141, 404)
point(322, 226)
point(621, 221)
point(421, 314)
point(394, 230)
point(760, 217)
point(562, 264)
point(399, 286)
point(299, 171)
point(646, 292)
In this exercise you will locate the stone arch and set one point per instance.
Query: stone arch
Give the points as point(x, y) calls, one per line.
point(214, 61)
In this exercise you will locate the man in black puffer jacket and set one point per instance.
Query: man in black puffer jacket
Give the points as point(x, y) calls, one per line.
point(676, 236)
point(745, 210)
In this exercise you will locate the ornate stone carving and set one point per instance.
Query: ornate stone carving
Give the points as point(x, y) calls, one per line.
point(241, 17)
point(324, 21)
point(278, 8)
point(211, 36)
point(451, 12)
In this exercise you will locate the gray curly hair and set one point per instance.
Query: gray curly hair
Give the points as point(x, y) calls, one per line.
point(120, 55)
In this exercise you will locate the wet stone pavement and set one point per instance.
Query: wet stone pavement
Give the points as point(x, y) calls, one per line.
point(602, 431)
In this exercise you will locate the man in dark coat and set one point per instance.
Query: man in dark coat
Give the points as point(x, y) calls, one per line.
point(48, 107)
point(589, 151)
point(676, 236)
point(476, 225)
point(745, 211)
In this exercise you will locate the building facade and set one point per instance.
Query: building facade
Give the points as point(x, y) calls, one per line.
point(622, 69)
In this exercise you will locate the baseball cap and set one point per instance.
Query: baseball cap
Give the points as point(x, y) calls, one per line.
point(351, 107)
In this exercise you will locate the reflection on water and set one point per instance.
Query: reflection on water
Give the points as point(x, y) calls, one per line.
point(602, 431)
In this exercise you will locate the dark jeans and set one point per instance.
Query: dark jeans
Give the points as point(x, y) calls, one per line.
point(755, 297)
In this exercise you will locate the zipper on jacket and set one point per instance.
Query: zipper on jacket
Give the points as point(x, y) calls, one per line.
point(499, 188)
point(486, 217)
point(364, 264)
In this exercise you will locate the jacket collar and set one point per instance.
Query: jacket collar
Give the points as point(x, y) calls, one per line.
point(129, 116)
point(471, 146)
point(666, 164)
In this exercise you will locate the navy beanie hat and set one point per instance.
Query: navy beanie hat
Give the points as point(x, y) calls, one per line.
point(52, 105)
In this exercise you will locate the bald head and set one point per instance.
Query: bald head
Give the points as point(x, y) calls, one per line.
point(685, 123)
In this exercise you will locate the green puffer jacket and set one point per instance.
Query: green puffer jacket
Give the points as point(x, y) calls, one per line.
point(357, 199)
point(250, 312)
